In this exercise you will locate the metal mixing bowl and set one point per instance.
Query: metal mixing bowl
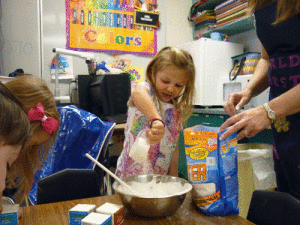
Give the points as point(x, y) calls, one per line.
point(153, 206)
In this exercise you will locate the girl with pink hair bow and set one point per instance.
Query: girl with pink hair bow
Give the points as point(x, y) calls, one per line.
point(37, 131)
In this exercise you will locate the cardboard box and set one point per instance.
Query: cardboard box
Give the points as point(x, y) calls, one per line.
point(115, 210)
point(80, 211)
point(9, 214)
point(97, 219)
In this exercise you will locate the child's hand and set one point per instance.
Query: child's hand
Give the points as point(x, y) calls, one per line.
point(156, 132)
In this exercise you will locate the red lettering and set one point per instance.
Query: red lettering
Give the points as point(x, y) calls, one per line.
point(294, 60)
point(295, 79)
point(282, 81)
point(292, 63)
point(272, 61)
point(275, 81)
point(281, 65)
point(89, 37)
point(270, 80)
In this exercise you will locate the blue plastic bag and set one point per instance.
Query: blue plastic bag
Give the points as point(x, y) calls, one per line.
point(80, 132)
point(212, 170)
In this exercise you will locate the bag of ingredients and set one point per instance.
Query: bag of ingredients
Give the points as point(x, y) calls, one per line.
point(212, 170)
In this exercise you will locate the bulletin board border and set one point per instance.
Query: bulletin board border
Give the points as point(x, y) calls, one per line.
point(68, 13)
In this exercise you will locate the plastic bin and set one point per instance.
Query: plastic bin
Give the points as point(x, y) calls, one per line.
point(255, 171)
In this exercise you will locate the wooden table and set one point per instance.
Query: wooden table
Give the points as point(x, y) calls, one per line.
point(120, 127)
point(57, 214)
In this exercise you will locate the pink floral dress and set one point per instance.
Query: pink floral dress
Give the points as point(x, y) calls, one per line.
point(160, 154)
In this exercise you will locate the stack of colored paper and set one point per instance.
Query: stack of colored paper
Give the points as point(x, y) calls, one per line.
point(230, 11)
point(206, 19)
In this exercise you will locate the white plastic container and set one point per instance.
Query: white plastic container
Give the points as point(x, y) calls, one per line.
point(9, 214)
point(114, 210)
point(97, 219)
point(80, 211)
point(139, 150)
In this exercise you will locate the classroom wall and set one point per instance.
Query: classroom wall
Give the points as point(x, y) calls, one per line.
point(178, 28)
point(249, 39)
point(21, 36)
point(54, 29)
point(25, 46)
point(32, 28)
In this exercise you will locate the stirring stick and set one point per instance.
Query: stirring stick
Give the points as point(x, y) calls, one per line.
point(111, 173)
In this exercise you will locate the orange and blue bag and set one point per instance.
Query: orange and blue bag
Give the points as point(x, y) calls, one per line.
point(212, 170)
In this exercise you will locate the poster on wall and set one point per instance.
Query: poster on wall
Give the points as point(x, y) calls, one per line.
point(108, 26)
point(136, 76)
point(65, 68)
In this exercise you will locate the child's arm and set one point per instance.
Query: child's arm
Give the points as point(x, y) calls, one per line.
point(143, 101)
point(173, 170)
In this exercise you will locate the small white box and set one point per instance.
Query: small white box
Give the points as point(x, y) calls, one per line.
point(97, 219)
point(9, 214)
point(78, 212)
point(115, 210)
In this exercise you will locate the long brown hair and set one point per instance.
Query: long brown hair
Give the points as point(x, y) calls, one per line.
point(30, 90)
point(183, 60)
point(14, 123)
point(285, 9)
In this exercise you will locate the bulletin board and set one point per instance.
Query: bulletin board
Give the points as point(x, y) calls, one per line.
point(107, 26)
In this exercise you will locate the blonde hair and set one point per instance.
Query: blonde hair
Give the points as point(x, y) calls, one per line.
point(30, 90)
point(285, 9)
point(182, 60)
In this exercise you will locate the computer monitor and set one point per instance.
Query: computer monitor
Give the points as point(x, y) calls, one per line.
point(106, 96)
point(84, 102)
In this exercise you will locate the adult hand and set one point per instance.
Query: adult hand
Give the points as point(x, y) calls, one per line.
point(236, 101)
point(156, 132)
point(250, 122)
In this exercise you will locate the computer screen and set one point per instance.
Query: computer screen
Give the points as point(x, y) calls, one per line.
point(106, 96)
point(84, 102)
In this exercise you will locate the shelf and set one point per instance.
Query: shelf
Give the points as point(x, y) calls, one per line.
point(209, 5)
point(239, 26)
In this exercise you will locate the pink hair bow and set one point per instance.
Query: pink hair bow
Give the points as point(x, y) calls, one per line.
point(38, 113)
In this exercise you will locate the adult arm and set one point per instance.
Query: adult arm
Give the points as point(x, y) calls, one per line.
point(255, 120)
point(257, 84)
